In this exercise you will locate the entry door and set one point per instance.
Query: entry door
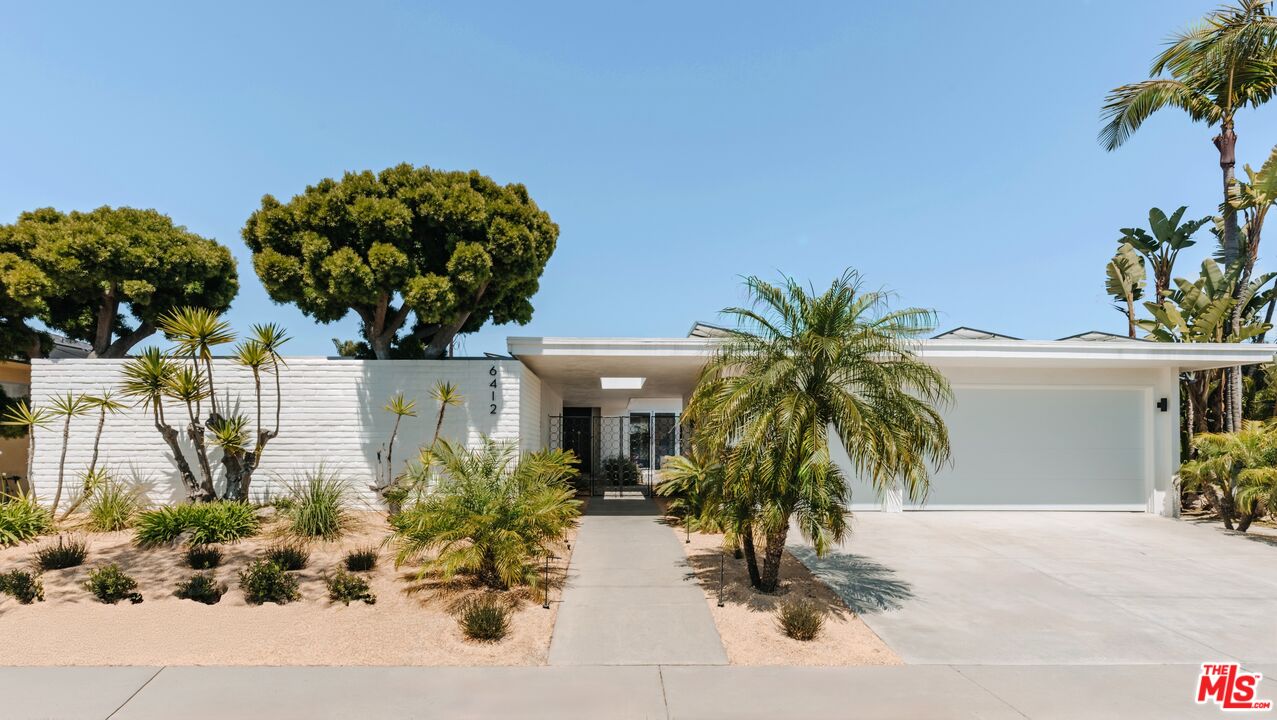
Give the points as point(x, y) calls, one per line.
point(578, 435)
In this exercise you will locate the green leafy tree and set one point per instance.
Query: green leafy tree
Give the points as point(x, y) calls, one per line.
point(1124, 282)
point(451, 250)
point(800, 365)
point(113, 271)
point(1163, 246)
point(1213, 69)
point(492, 513)
point(23, 286)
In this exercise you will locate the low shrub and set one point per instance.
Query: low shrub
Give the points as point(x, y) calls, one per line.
point(263, 581)
point(203, 557)
point(484, 618)
point(800, 620)
point(202, 588)
point(22, 519)
point(345, 588)
point(66, 554)
point(316, 505)
point(113, 506)
point(203, 523)
point(109, 584)
point(361, 560)
point(288, 556)
point(23, 585)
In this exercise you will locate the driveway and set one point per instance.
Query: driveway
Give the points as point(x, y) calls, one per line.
point(1018, 588)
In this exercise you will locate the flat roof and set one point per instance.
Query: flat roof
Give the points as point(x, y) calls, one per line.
point(941, 352)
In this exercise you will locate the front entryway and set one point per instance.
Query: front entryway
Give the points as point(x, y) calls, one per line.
point(630, 597)
point(619, 455)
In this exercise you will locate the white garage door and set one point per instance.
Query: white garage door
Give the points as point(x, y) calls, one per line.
point(1054, 447)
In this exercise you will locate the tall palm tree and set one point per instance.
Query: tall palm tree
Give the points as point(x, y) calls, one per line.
point(1217, 66)
point(802, 365)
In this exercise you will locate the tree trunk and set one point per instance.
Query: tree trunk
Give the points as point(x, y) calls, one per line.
point(751, 557)
point(62, 463)
point(1130, 317)
point(1227, 508)
point(1226, 143)
point(124, 343)
point(97, 440)
point(195, 432)
point(438, 346)
point(772, 557)
point(195, 491)
point(106, 320)
point(1246, 518)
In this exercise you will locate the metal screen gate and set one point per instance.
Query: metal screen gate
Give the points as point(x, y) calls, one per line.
point(618, 454)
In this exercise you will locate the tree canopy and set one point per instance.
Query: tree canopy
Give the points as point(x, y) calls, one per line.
point(451, 250)
point(22, 289)
point(105, 276)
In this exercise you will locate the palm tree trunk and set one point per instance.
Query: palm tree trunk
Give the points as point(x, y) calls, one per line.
point(772, 557)
point(1226, 143)
point(66, 438)
point(1130, 316)
point(751, 557)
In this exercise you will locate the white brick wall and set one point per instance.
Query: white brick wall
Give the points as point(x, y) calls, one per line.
point(530, 389)
point(331, 413)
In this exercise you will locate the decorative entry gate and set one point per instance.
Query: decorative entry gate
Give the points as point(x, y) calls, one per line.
point(618, 454)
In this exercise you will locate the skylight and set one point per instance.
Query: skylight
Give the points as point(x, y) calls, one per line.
point(622, 383)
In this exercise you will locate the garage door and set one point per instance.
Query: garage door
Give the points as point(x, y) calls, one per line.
point(1056, 447)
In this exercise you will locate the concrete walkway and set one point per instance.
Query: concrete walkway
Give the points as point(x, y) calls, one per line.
point(630, 597)
point(594, 693)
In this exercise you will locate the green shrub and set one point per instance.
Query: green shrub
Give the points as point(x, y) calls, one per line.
point(66, 554)
point(361, 560)
point(263, 581)
point(620, 470)
point(288, 556)
point(202, 588)
point(203, 557)
point(110, 585)
point(204, 523)
point(484, 618)
point(344, 587)
point(22, 519)
point(316, 506)
point(492, 514)
point(113, 506)
point(23, 585)
point(800, 620)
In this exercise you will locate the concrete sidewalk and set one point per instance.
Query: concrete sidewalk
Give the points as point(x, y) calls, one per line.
point(631, 598)
point(593, 693)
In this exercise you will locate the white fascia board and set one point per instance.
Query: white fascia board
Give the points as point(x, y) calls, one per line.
point(1057, 353)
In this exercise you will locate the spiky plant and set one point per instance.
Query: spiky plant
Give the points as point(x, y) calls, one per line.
point(22, 519)
point(21, 414)
point(447, 395)
point(318, 505)
point(1237, 470)
point(492, 514)
point(400, 408)
point(66, 406)
point(149, 378)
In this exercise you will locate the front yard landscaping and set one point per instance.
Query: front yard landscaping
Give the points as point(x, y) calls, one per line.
point(412, 622)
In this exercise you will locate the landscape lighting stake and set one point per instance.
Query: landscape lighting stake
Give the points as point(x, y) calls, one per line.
point(722, 560)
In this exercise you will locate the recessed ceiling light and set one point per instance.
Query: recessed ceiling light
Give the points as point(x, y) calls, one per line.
point(622, 383)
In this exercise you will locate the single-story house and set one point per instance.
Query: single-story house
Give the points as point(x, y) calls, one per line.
point(1087, 422)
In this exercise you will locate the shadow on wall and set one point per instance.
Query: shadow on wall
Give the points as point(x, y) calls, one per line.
point(866, 586)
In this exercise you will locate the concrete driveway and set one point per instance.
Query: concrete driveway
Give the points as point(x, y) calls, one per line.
point(1018, 588)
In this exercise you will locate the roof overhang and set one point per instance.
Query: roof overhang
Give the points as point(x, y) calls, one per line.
point(670, 366)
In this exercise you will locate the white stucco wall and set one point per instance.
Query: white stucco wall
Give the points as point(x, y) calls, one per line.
point(331, 413)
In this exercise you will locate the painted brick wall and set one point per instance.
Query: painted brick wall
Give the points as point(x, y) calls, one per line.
point(331, 413)
point(530, 388)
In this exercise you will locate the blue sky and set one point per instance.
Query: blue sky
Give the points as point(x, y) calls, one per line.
point(946, 150)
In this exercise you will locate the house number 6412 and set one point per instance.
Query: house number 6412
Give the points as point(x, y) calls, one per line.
point(492, 407)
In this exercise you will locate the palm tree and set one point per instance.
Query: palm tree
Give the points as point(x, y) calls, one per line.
point(492, 514)
point(1236, 469)
point(1211, 70)
point(802, 365)
point(66, 407)
point(23, 415)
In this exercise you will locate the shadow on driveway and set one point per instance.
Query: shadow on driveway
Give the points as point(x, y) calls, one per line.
point(866, 586)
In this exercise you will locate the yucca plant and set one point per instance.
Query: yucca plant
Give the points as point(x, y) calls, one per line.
point(22, 414)
point(401, 408)
point(22, 519)
point(447, 395)
point(67, 406)
point(491, 515)
point(317, 505)
point(205, 523)
point(150, 378)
